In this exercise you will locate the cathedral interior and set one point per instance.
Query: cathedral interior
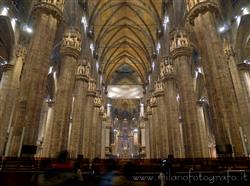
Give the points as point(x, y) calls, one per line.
point(125, 79)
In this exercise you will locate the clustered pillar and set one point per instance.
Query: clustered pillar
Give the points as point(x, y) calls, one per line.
point(221, 93)
point(181, 51)
point(81, 88)
point(70, 51)
point(168, 76)
point(9, 92)
point(33, 83)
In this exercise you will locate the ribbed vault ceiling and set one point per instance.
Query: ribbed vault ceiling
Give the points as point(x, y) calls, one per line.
point(125, 32)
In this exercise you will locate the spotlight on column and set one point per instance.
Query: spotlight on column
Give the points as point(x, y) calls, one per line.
point(84, 22)
point(222, 29)
point(165, 22)
point(27, 28)
point(158, 47)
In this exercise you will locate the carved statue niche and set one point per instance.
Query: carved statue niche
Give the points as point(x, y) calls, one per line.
point(81, 70)
point(162, 69)
point(152, 101)
point(169, 69)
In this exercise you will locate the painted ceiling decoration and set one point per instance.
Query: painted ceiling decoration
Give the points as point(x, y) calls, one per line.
point(125, 32)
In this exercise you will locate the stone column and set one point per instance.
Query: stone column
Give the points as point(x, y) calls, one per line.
point(48, 130)
point(156, 145)
point(70, 51)
point(203, 129)
point(34, 77)
point(102, 117)
point(242, 101)
point(143, 137)
point(150, 131)
point(5, 108)
point(181, 51)
point(147, 136)
point(221, 93)
point(88, 118)
point(106, 145)
point(95, 135)
point(244, 73)
point(162, 128)
point(168, 76)
point(81, 88)
point(8, 92)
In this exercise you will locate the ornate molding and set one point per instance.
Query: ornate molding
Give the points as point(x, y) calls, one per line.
point(149, 110)
point(71, 44)
point(197, 7)
point(51, 7)
point(83, 71)
point(167, 71)
point(92, 87)
point(97, 101)
point(103, 113)
point(180, 44)
point(153, 101)
point(158, 88)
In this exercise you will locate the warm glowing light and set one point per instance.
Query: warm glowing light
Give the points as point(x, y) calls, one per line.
point(125, 91)
point(135, 130)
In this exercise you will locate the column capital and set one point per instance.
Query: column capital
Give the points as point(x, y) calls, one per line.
point(98, 101)
point(180, 44)
point(21, 51)
point(167, 71)
point(83, 72)
point(228, 49)
point(92, 87)
point(102, 112)
point(51, 7)
point(153, 102)
point(158, 88)
point(71, 43)
point(149, 110)
point(197, 7)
